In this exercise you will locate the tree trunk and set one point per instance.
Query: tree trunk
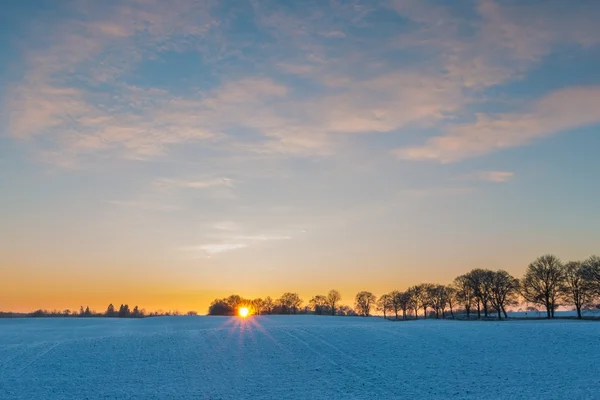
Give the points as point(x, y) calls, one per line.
point(424, 312)
point(504, 311)
point(403, 314)
point(578, 311)
point(384, 316)
point(396, 311)
point(478, 310)
point(485, 309)
point(468, 310)
point(452, 313)
point(499, 313)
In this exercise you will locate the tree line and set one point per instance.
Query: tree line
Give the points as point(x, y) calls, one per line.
point(288, 303)
point(111, 312)
point(480, 293)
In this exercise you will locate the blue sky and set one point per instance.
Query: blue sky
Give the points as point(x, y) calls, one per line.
point(263, 146)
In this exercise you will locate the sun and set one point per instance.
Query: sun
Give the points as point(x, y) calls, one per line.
point(244, 312)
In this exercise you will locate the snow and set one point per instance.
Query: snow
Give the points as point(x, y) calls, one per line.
point(297, 357)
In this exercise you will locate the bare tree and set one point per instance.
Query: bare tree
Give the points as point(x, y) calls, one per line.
point(464, 292)
point(290, 302)
point(414, 296)
point(384, 304)
point(577, 288)
point(395, 302)
point(333, 298)
point(268, 305)
point(504, 289)
point(257, 306)
point(364, 302)
point(403, 299)
point(591, 271)
point(438, 297)
point(542, 281)
point(421, 297)
point(318, 304)
point(451, 298)
point(480, 280)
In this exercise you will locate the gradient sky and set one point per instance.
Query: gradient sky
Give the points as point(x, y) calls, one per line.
point(167, 153)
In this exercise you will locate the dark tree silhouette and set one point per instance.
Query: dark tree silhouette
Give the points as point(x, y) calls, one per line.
point(542, 282)
point(384, 304)
point(318, 304)
point(403, 299)
point(503, 291)
point(575, 288)
point(220, 307)
point(333, 298)
point(110, 311)
point(591, 272)
point(364, 301)
point(290, 302)
point(480, 280)
point(464, 292)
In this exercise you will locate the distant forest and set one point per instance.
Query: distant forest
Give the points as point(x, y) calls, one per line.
point(111, 312)
point(547, 283)
point(481, 293)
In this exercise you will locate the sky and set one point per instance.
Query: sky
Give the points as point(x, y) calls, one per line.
point(168, 153)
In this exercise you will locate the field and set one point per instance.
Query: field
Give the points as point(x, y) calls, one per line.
point(297, 357)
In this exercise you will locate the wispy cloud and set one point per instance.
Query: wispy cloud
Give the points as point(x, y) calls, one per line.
point(216, 248)
point(77, 96)
point(559, 111)
point(195, 184)
point(490, 176)
point(144, 206)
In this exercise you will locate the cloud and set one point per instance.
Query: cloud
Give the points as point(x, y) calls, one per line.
point(334, 34)
point(144, 206)
point(227, 226)
point(263, 238)
point(216, 248)
point(559, 111)
point(490, 176)
point(296, 94)
point(195, 184)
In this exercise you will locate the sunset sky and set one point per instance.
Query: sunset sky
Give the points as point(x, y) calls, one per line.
point(164, 153)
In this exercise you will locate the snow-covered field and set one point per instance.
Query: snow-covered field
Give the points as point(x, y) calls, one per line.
point(297, 357)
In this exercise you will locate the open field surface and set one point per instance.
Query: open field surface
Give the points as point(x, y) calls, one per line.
point(297, 357)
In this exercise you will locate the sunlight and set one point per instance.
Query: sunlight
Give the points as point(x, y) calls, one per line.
point(244, 312)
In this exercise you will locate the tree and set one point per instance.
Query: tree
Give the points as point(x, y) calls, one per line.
point(268, 305)
point(395, 302)
point(464, 292)
point(364, 302)
point(542, 282)
point(124, 311)
point(413, 294)
point(404, 302)
point(420, 295)
point(451, 298)
point(591, 272)
point(110, 310)
point(290, 302)
point(503, 291)
point(384, 304)
point(438, 296)
point(318, 304)
point(333, 298)
point(257, 306)
point(480, 281)
point(220, 307)
point(576, 287)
